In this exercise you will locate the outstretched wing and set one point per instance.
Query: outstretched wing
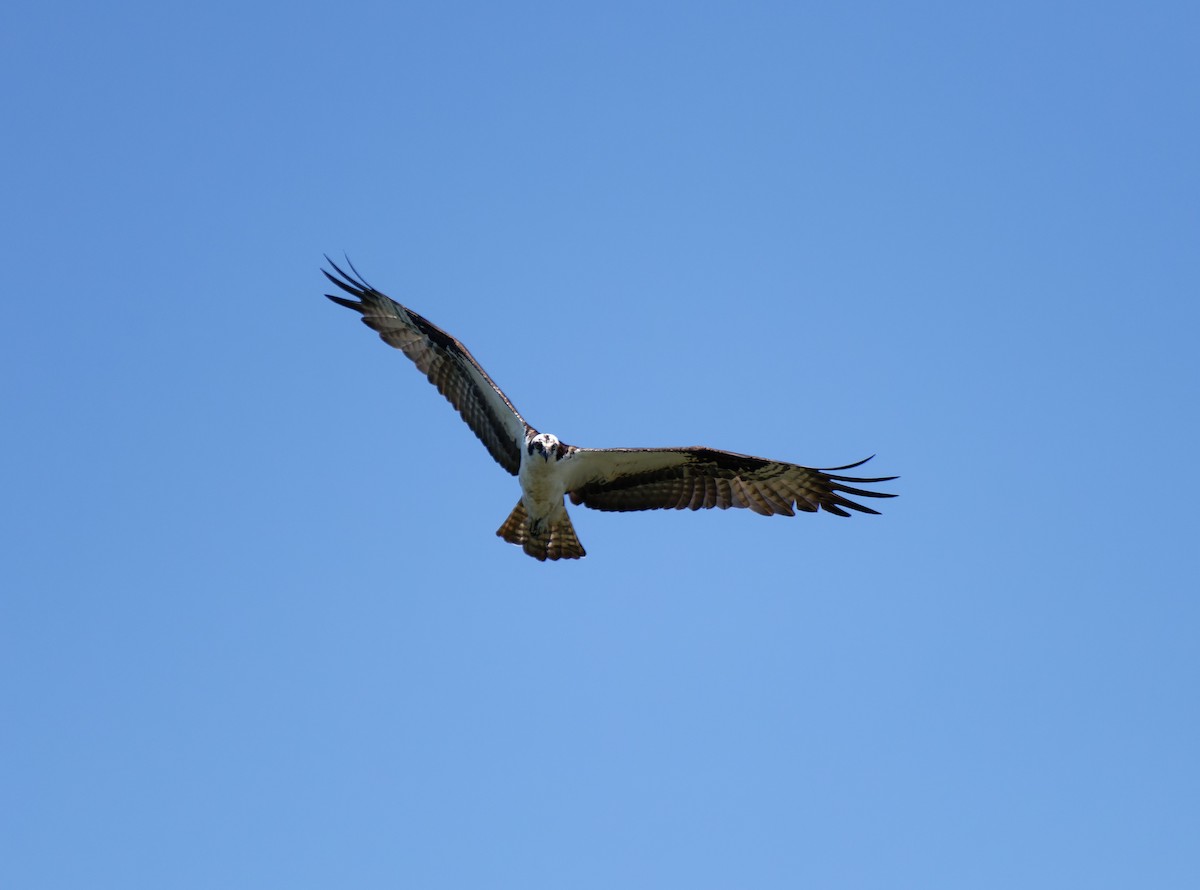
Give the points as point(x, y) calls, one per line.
point(445, 361)
point(694, 478)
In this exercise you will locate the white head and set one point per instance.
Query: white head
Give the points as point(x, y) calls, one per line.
point(546, 445)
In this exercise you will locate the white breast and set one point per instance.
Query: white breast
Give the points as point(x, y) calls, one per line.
point(543, 483)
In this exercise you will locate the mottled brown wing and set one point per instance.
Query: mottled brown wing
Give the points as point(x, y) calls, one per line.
point(445, 361)
point(696, 478)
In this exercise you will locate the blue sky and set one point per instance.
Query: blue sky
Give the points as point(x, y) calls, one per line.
point(256, 629)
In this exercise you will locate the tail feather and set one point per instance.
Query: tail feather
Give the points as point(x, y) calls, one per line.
point(549, 538)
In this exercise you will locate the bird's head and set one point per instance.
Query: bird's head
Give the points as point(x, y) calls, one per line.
point(545, 445)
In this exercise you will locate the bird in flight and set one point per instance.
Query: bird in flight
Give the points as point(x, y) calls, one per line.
point(617, 479)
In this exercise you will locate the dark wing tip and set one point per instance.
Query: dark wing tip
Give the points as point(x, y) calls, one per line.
point(356, 278)
point(831, 474)
point(356, 305)
point(858, 481)
point(353, 284)
point(857, 463)
point(838, 489)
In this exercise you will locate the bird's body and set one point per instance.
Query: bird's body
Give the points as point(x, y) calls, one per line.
point(614, 479)
point(539, 522)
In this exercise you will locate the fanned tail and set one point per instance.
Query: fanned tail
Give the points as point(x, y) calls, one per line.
point(549, 538)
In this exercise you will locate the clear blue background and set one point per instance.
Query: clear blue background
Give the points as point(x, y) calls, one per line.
point(257, 630)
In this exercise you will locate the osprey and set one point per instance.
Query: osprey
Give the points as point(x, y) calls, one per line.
point(601, 478)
